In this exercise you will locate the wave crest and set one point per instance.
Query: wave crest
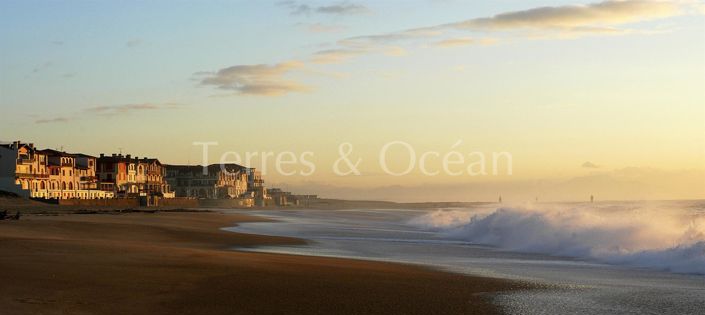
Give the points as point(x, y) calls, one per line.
point(666, 239)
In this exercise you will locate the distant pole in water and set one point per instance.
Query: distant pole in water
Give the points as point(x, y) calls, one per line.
point(592, 198)
point(537, 199)
point(500, 199)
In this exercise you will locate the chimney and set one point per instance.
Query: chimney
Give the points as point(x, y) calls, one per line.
point(16, 145)
point(102, 155)
point(114, 155)
point(31, 145)
point(128, 156)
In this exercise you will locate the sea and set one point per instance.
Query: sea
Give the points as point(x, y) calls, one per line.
point(626, 257)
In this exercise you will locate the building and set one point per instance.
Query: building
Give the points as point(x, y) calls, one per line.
point(281, 198)
point(255, 184)
point(131, 177)
point(216, 181)
point(48, 174)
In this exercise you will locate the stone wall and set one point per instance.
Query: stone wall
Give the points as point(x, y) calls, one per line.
point(118, 202)
point(227, 203)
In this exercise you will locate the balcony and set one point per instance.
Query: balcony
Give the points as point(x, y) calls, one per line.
point(25, 160)
point(28, 175)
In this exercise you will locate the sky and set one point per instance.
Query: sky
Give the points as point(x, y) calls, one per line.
point(587, 97)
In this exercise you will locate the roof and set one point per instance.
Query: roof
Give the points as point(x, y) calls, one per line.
point(83, 155)
point(125, 159)
point(52, 152)
point(23, 145)
point(213, 168)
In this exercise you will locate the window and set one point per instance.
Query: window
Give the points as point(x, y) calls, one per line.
point(63, 186)
point(70, 186)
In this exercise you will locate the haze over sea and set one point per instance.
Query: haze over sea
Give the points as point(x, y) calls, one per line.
point(626, 257)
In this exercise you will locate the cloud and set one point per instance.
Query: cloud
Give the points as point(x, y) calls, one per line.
point(133, 43)
point(110, 110)
point(605, 13)
point(568, 21)
point(52, 120)
point(589, 164)
point(127, 108)
point(342, 8)
point(260, 79)
point(395, 51)
point(42, 67)
point(464, 41)
point(388, 38)
point(344, 54)
point(336, 55)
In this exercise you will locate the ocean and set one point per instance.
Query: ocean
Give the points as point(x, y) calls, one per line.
point(598, 258)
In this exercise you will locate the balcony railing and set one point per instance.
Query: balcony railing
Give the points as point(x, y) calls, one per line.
point(25, 160)
point(30, 175)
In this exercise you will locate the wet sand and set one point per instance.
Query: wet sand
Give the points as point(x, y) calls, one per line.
point(181, 263)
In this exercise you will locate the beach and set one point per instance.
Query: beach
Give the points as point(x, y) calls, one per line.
point(184, 263)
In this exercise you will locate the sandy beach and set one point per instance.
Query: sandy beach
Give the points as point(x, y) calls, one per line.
point(182, 263)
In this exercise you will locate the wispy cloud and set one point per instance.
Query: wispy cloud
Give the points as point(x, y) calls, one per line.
point(342, 8)
point(568, 21)
point(464, 41)
point(589, 164)
point(52, 120)
point(110, 110)
point(368, 41)
point(133, 43)
point(260, 79)
point(336, 55)
point(595, 15)
point(42, 67)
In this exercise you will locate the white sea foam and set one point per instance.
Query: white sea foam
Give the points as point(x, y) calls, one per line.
point(644, 235)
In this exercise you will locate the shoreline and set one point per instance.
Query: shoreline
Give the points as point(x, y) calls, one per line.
point(183, 262)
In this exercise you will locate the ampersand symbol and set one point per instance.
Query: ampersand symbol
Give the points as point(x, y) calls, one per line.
point(344, 150)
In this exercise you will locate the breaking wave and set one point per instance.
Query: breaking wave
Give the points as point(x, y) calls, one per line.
point(643, 235)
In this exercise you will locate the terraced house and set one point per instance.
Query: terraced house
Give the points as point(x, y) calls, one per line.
point(48, 174)
point(129, 176)
point(216, 181)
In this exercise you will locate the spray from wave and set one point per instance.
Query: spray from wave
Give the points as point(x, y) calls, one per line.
point(666, 238)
